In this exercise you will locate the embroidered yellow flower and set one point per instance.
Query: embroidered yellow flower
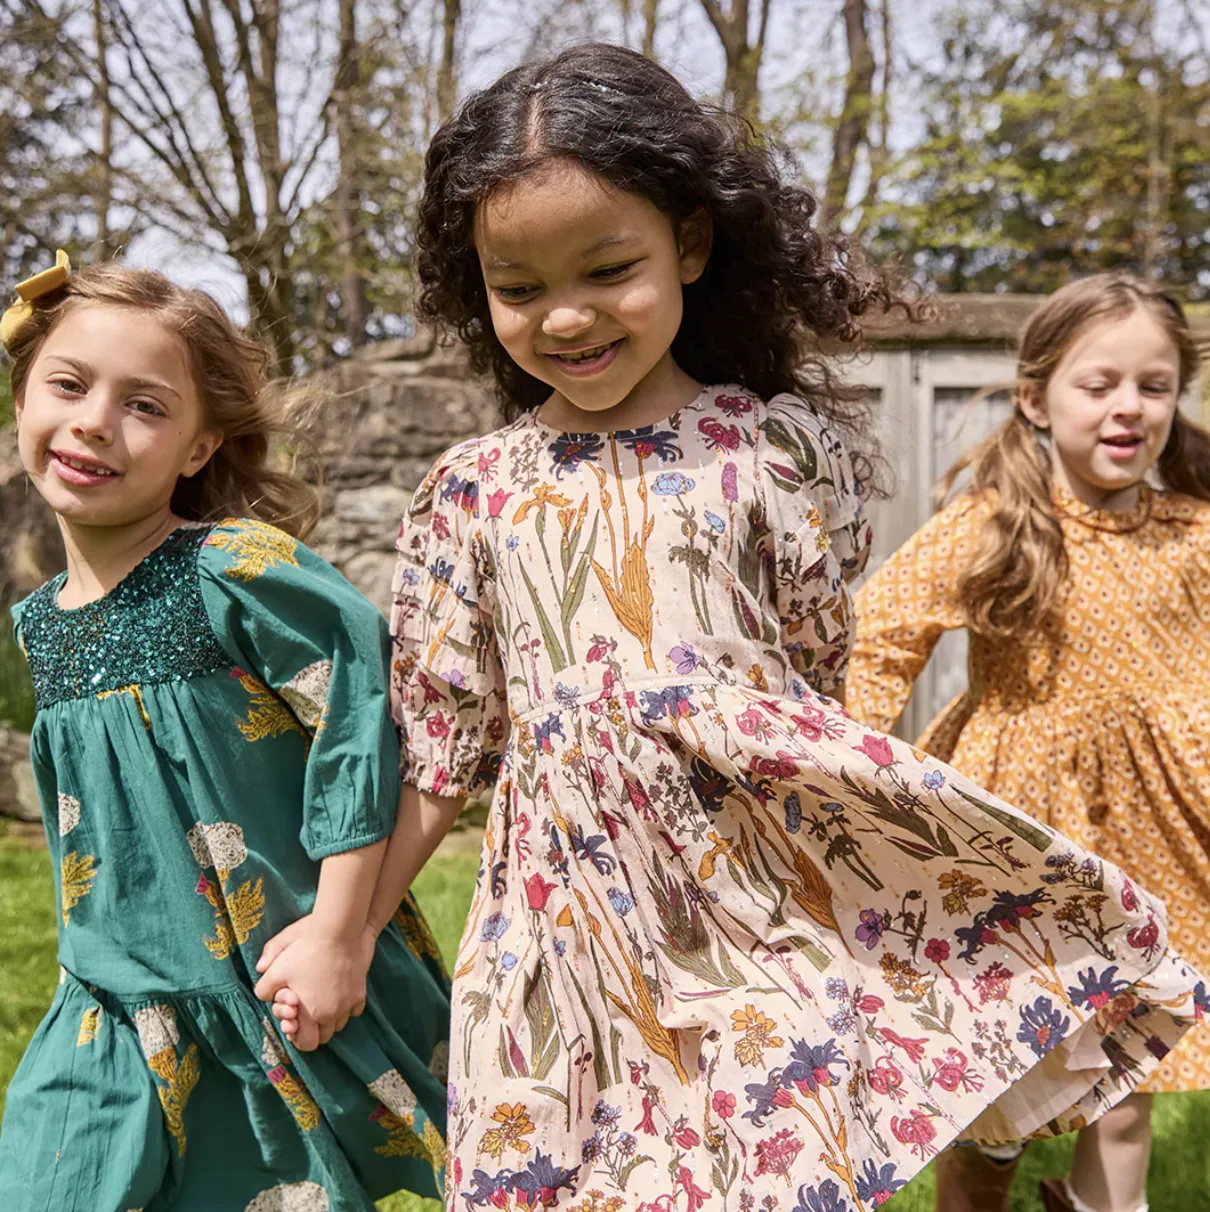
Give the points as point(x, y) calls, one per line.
point(77, 874)
point(515, 1126)
point(255, 547)
point(758, 1035)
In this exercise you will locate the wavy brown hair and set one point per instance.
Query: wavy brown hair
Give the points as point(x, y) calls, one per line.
point(1015, 581)
point(230, 375)
point(778, 294)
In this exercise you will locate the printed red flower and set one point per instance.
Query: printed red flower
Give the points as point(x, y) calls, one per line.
point(686, 1138)
point(1130, 899)
point(918, 1131)
point(697, 1196)
point(938, 950)
point(869, 1004)
point(886, 1078)
point(877, 748)
point(537, 891)
point(724, 1104)
point(437, 726)
point(496, 502)
point(719, 436)
point(913, 1047)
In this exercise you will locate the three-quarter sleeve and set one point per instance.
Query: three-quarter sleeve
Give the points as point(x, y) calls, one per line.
point(304, 639)
point(819, 536)
point(905, 607)
point(448, 692)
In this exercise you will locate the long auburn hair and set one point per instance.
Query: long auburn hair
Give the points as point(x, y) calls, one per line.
point(1015, 581)
point(778, 294)
point(230, 375)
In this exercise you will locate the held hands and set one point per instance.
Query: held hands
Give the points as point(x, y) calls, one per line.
point(316, 979)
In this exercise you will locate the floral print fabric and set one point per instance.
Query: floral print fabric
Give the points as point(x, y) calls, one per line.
point(729, 948)
point(1102, 729)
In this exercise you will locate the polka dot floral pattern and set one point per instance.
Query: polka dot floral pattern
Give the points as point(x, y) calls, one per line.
point(1100, 725)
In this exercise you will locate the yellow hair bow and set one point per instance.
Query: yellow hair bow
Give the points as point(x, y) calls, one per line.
point(12, 321)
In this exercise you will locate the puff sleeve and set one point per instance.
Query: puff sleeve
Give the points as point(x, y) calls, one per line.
point(819, 537)
point(305, 640)
point(448, 692)
point(905, 608)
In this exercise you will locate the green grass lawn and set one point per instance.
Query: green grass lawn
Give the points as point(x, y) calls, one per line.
point(1180, 1175)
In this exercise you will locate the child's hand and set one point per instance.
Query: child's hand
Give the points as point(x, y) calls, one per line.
point(296, 1024)
point(326, 973)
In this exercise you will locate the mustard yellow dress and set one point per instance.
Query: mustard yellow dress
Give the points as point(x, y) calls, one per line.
point(1099, 725)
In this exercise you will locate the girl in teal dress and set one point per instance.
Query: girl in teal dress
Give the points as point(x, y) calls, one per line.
point(215, 762)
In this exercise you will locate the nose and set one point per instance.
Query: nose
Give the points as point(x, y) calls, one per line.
point(566, 321)
point(1128, 400)
point(92, 419)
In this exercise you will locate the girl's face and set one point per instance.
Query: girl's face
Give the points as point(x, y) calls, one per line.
point(109, 417)
point(1109, 407)
point(584, 281)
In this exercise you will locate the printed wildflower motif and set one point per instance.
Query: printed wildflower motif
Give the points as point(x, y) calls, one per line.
point(877, 749)
point(268, 716)
point(494, 927)
point(220, 845)
point(647, 441)
point(724, 1104)
point(1043, 1026)
point(515, 1126)
point(870, 931)
point(776, 1154)
point(876, 1184)
point(672, 484)
point(1097, 989)
point(758, 1035)
point(824, 1198)
point(811, 1065)
point(960, 890)
point(569, 450)
point(90, 1022)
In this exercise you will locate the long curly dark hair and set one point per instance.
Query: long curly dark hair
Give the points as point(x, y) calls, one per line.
point(778, 296)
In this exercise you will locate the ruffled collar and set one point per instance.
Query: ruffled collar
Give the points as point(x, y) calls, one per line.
point(1071, 508)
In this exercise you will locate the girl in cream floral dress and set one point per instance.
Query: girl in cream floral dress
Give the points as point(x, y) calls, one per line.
point(729, 948)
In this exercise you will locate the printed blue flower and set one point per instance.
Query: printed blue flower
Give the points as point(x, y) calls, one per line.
point(1043, 1026)
point(672, 484)
point(494, 928)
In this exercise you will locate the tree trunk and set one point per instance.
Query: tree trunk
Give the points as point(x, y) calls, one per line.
point(348, 195)
point(101, 250)
point(743, 58)
point(447, 73)
point(651, 17)
point(854, 126)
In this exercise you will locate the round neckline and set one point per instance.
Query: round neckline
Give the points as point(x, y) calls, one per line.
point(56, 585)
point(1071, 507)
point(708, 392)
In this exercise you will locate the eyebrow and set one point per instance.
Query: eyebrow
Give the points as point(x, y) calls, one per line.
point(601, 245)
point(83, 368)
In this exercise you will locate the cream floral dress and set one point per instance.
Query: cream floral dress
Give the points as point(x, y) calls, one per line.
point(729, 948)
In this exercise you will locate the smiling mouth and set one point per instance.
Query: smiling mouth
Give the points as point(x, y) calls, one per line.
point(580, 356)
point(1124, 441)
point(84, 466)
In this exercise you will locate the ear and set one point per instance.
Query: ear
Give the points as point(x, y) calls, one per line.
point(694, 239)
point(209, 440)
point(1032, 403)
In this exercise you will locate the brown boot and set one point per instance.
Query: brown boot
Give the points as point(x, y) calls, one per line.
point(969, 1181)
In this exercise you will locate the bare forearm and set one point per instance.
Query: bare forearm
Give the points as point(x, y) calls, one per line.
point(422, 822)
point(346, 886)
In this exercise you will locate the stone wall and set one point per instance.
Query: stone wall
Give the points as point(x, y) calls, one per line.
point(381, 420)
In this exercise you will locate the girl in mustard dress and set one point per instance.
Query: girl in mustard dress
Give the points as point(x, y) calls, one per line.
point(1087, 596)
point(729, 949)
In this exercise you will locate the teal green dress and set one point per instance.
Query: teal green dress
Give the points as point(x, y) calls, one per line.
point(207, 733)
